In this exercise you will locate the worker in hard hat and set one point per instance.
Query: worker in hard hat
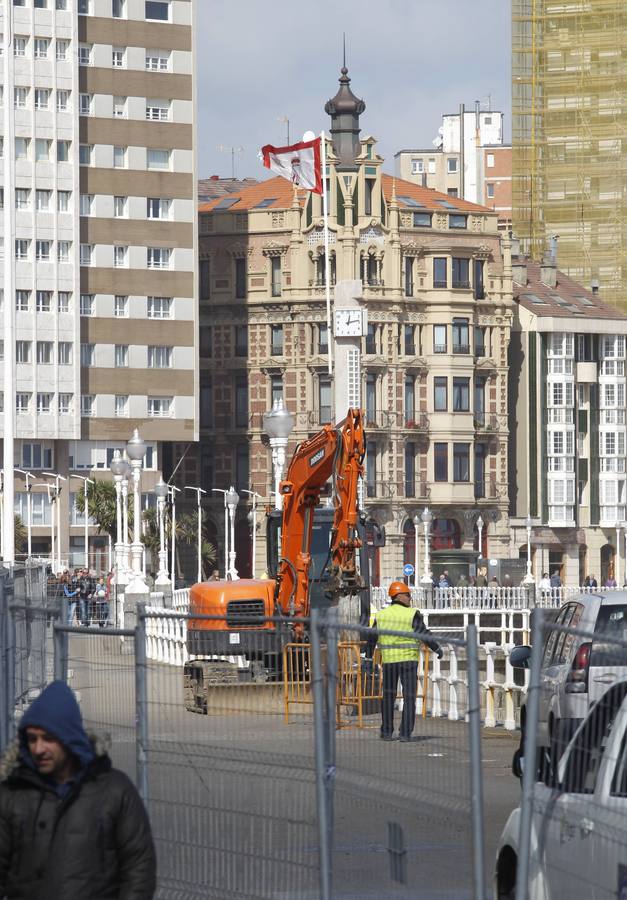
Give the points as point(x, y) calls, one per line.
point(400, 654)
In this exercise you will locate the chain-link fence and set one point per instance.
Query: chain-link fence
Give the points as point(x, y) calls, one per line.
point(568, 837)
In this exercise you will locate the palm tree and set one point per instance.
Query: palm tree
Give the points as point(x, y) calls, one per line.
point(186, 532)
point(102, 507)
point(20, 534)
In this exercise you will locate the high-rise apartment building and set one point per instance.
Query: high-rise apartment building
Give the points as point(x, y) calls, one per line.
point(98, 274)
point(569, 117)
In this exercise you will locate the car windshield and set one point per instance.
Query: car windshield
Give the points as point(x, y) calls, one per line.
point(611, 622)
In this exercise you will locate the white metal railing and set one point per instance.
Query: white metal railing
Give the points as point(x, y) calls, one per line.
point(180, 600)
point(496, 597)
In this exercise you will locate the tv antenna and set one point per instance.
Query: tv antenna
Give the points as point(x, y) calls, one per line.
point(286, 122)
point(232, 150)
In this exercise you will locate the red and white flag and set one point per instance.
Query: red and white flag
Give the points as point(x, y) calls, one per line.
point(299, 163)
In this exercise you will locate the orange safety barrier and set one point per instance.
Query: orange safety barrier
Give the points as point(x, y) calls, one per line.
point(359, 681)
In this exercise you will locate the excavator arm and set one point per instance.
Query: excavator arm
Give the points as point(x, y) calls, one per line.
point(336, 452)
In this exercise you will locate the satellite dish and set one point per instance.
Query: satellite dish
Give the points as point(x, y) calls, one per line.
point(308, 136)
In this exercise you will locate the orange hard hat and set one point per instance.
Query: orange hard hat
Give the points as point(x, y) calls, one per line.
point(396, 588)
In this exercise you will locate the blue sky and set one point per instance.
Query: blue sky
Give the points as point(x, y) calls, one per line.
point(410, 60)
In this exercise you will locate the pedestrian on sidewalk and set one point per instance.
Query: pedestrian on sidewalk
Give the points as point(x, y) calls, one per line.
point(71, 826)
point(400, 654)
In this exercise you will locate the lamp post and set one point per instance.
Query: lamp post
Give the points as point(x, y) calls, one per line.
point(617, 566)
point(232, 499)
point(161, 492)
point(172, 490)
point(426, 517)
point(278, 424)
point(479, 523)
point(120, 469)
point(226, 529)
point(199, 492)
point(57, 493)
point(29, 509)
point(2, 513)
point(416, 521)
point(86, 481)
point(253, 521)
point(135, 450)
point(528, 579)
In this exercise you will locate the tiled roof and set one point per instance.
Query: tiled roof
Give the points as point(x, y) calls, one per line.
point(568, 298)
point(427, 198)
point(210, 188)
point(280, 192)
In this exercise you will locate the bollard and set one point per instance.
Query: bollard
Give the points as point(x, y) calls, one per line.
point(490, 684)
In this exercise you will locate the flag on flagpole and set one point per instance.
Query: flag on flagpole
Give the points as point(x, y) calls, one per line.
point(299, 163)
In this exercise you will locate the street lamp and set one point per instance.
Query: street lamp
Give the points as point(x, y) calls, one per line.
point(29, 509)
point(416, 521)
point(253, 521)
point(161, 492)
point(57, 494)
point(617, 566)
point(528, 579)
point(135, 450)
point(172, 489)
point(232, 499)
point(479, 523)
point(226, 529)
point(85, 481)
point(278, 424)
point(120, 469)
point(199, 493)
point(427, 518)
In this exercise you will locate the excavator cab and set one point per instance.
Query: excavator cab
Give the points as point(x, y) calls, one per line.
point(320, 540)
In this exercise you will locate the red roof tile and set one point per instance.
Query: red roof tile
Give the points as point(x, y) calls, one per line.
point(568, 298)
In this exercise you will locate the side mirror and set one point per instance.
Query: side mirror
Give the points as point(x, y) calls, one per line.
point(520, 657)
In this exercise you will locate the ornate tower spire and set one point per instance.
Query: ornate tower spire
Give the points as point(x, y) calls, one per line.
point(345, 109)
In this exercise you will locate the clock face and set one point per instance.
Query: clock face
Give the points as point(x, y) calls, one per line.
point(348, 322)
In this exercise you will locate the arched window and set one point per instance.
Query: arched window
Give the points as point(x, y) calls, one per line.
point(445, 535)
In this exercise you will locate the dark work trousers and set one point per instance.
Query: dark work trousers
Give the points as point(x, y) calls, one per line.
point(408, 673)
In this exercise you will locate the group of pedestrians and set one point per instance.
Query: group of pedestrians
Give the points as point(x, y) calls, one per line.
point(87, 597)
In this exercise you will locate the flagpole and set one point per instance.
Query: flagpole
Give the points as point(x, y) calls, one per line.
point(327, 260)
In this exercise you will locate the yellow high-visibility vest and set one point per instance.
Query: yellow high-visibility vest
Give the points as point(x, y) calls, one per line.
point(397, 648)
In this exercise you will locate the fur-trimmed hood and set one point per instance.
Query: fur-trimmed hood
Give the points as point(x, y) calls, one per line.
point(12, 759)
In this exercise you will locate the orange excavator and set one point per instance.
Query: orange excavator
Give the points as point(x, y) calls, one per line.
point(336, 453)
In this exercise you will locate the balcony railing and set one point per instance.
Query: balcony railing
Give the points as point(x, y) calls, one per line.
point(380, 490)
point(485, 421)
point(416, 422)
point(461, 348)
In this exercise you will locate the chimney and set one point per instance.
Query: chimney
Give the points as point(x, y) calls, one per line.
point(594, 286)
point(519, 269)
point(424, 179)
point(515, 245)
point(548, 270)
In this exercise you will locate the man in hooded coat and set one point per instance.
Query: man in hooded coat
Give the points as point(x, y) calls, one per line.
point(71, 826)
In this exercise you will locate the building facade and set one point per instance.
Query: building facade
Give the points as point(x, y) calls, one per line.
point(568, 453)
point(468, 159)
point(433, 276)
point(100, 237)
point(569, 117)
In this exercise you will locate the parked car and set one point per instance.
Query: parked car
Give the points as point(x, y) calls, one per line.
point(579, 819)
point(576, 671)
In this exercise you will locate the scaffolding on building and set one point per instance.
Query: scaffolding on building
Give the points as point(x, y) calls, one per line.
point(569, 163)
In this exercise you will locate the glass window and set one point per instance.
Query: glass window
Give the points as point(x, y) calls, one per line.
point(156, 208)
point(22, 403)
point(84, 55)
point(63, 298)
point(410, 470)
point(87, 305)
point(275, 275)
point(460, 272)
point(479, 287)
point(119, 107)
point(85, 153)
point(117, 57)
point(85, 204)
point(61, 49)
point(457, 221)
point(159, 357)
point(119, 158)
point(86, 254)
point(479, 336)
point(44, 403)
point(88, 355)
point(158, 9)
point(158, 159)
point(451, 165)
point(276, 389)
point(22, 351)
point(21, 148)
point(42, 150)
point(276, 332)
point(241, 340)
point(439, 272)
point(65, 353)
point(409, 386)
point(204, 277)
point(440, 403)
point(43, 301)
point(422, 220)
point(440, 462)
point(63, 155)
point(409, 340)
point(158, 257)
point(160, 407)
point(84, 104)
point(120, 254)
point(159, 307)
point(460, 336)
point(66, 402)
point(240, 279)
point(22, 301)
point(371, 339)
point(121, 404)
point(118, 9)
point(88, 405)
point(439, 339)
point(121, 356)
point(241, 401)
point(461, 462)
point(63, 98)
point(461, 394)
point(325, 394)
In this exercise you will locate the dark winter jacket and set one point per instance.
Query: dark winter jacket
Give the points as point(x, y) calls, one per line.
point(89, 840)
